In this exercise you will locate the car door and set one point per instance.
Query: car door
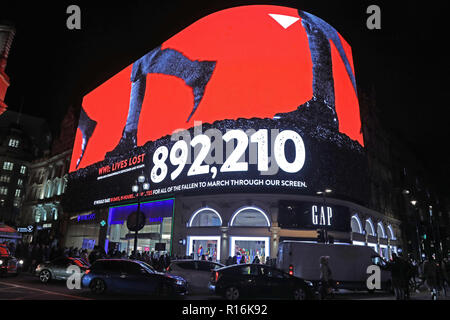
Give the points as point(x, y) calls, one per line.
point(248, 280)
point(59, 268)
point(109, 271)
point(273, 283)
point(136, 279)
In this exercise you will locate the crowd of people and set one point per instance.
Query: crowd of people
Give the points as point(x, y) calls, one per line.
point(407, 274)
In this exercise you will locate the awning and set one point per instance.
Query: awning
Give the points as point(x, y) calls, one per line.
point(5, 228)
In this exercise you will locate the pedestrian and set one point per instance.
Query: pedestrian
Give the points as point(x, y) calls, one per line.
point(396, 267)
point(430, 273)
point(256, 260)
point(268, 263)
point(325, 277)
point(234, 260)
point(229, 261)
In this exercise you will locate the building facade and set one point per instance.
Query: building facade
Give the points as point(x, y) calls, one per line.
point(46, 185)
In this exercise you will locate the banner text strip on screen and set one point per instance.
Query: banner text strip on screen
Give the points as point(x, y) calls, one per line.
point(121, 171)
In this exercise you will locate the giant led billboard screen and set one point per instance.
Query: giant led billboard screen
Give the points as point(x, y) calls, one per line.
point(249, 99)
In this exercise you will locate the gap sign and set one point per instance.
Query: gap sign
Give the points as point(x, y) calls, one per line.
point(312, 216)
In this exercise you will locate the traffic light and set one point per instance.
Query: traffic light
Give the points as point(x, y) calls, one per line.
point(321, 236)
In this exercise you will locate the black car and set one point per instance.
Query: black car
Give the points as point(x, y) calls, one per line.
point(131, 276)
point(258, 281)
point(9, 265)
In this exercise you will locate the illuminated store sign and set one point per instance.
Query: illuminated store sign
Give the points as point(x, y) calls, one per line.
point(250, 99)
point(311, 216)
point(86, 217)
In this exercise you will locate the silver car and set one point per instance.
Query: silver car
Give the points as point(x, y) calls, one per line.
point(58, 269)
point(195, 272)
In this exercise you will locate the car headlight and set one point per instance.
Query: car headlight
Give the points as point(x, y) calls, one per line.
point(1, 262)
point(180, 282)
point(309, 283)
point(20, 261)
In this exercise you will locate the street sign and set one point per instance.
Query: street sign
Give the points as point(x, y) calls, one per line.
point(135, 221)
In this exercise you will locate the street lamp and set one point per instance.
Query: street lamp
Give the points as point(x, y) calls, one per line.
point(140, 186)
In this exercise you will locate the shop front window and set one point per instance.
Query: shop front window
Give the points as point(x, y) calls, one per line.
point(156, 234)
point(204, 247)
point(250, 217)
point(246, 249)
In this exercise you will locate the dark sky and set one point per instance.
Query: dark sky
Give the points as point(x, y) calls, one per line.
point(50, 66)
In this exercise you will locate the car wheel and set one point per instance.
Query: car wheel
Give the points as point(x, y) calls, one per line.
point(232, 293)
point(98, 286)
point(165, 290)
point(299, 294)
point(45, 276)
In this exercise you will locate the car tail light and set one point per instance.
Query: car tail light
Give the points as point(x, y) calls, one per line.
point(168, 269)
point(217, 275)
point(87, 271)
point(291, 269)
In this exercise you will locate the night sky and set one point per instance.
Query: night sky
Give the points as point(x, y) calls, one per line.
point(405, 62)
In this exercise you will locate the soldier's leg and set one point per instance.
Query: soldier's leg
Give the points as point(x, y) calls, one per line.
point(129, 135)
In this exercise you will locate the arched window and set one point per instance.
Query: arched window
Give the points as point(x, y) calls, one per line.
point(249, 217)
point(369, 227)
point(356, 224)
point(380, 230)
point(205, 217)
point(48, 189)
point(391, 234)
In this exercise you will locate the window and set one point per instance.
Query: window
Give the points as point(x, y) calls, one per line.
point(17, 194)
point(391, 233)
point(55, 213)
point(8, 166)
point(205, 217)
point(5, 178)
point(356, 224)
point(250, 217)
point(248, 270)
point(369, 227)
point(272, 273)
point(380, 230)
point(23, 169)
point(19, 182)
point(16, 202)
point(13, 143)
point(37, 216)
point(3, 190)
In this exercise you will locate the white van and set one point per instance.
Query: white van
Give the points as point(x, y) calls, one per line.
point(348, 263)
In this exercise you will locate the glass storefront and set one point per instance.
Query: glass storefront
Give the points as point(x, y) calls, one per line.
point(248, 248)
point(204, 246)
point(83, 231)
point(156, 234)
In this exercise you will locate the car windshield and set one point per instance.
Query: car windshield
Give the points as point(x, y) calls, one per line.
point(147, 267)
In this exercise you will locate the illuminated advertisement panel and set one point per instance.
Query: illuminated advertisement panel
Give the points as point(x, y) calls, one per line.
point(248, 99)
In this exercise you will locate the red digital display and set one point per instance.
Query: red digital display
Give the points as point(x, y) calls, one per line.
point(260, 64)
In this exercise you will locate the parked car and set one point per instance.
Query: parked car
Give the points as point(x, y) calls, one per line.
point(57, 269)
point(195, 272)
point(348, 263)
point(9, 265)
point(258, 281)
point(131, 276)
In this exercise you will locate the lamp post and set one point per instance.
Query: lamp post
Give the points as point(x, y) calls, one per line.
point(140, 186)
point(324, 193)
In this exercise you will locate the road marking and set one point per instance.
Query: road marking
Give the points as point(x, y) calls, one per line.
point(45, 291)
